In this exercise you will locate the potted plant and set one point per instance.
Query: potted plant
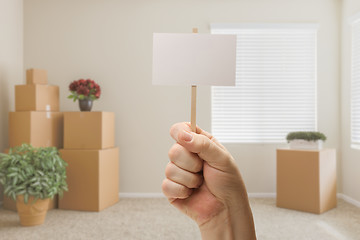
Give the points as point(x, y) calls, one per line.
point(86, 91)
point(306, 140)
point(31, 176)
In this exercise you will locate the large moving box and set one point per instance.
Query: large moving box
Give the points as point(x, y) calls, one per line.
point(93, 179)
point(36, 97)
point(89, 130)
point(36, 76)
point(306, 180)
point(40, 129)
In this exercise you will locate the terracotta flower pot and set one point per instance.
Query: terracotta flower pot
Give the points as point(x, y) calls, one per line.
point(31, 214)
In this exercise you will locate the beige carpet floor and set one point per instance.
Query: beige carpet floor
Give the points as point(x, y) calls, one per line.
point(155, 219)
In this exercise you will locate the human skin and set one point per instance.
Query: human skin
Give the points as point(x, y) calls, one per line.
point(203, 181)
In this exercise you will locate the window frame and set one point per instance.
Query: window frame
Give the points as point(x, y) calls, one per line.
point(354, 20)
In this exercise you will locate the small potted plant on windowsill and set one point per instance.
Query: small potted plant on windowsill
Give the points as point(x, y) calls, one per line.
point(31, 177)
point(306, 140)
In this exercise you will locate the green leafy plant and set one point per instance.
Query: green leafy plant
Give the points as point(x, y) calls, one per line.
point(308, 136)
point(39, 172)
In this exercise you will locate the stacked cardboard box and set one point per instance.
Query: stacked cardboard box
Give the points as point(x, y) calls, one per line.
point(36, 119)
point(306, 180)
point(93, 161)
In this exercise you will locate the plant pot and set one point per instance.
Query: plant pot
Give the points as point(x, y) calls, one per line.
point(31, 214)
point(85, 105)
point(305, 145)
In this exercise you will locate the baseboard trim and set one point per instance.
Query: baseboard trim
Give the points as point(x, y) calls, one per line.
point(251, 195)
point(348, 199)
point(141, 195)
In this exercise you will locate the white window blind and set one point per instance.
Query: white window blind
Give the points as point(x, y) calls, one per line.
point(275, 89)
point(355, 83)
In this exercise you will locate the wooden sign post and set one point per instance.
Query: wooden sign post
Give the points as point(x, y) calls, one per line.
point(194, 59)
point(193, 108)
point(193, 100)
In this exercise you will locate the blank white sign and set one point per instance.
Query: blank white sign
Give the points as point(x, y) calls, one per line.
point(194, 59)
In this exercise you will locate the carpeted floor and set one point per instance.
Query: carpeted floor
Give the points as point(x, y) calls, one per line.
point(156, 219)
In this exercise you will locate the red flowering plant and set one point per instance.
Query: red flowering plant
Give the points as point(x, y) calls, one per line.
point(84, 89)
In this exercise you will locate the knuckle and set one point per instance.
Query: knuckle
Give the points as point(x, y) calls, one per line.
point(174, 152)
point(175, 126)
point(174, 190)
point(164, 186)
point(205, 143)
point(183, 191)
point(169, 170)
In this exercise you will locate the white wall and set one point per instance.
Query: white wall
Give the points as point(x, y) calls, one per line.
point(11, 61)
point(111, 42)
point(350, 157)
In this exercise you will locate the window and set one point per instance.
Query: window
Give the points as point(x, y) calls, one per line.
point(275, 90)
point(355, 83)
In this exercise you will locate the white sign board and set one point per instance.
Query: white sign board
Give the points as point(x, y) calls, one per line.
point(194, 59)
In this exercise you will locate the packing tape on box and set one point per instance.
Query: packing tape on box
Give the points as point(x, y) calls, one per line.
point(48, 115)
point(48, 107)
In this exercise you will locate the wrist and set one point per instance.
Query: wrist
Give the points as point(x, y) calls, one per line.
point(219, 227)
point(235, 222)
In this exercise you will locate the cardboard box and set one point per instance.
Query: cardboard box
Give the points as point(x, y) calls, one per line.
point(36, 76)
point(89, 130)
point(92, 178)
point(9, 204)
point(40, 129)
point(36, 97)
point(306, 180)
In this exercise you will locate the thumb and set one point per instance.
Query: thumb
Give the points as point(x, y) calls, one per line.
point(206, 149)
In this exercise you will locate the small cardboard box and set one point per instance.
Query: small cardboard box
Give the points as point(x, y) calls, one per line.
point(36, 76)
point(9, 204)
point(36, 97)
point(89, 130)
point(40, 129)
point(306, 180)
point(92, 178)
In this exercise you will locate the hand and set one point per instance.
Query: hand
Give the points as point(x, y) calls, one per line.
point(203, 182)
